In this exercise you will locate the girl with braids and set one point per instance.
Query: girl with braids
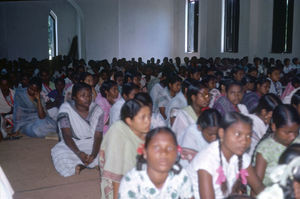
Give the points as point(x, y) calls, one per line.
point(158, 173)
point(285, 126)
point(224, 167)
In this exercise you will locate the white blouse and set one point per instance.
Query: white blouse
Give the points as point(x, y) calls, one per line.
point(209, 160)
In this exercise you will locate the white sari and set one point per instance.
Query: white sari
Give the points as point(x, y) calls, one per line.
point(64, 159)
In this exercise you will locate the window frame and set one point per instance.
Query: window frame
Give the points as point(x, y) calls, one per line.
point(53, 16)
point(283, 18)
point(230, 26)
point(191, 44)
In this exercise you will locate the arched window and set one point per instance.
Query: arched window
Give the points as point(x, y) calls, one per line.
point(52, 34)
point(230, 25)
point(191, 26)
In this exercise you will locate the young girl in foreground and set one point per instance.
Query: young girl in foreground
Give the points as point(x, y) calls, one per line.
point(285, 126)
point(161, 176)
point(224, 167)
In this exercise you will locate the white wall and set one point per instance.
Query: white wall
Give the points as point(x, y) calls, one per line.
point(101, 28)
point(133, 28)
point(24, 31)
point(146, 28)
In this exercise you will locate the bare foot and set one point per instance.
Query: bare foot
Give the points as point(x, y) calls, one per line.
point(79, 168)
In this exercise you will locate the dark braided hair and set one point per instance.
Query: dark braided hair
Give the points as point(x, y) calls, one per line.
point(140, 158)
point(224, 186)
point(238, 186)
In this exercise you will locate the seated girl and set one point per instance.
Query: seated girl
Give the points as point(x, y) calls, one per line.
point(158, 173)
point(29, 114)
point(169, 92)
point(231, 102)
point(6, 107)
point(198, 136)
point(261, 118)
point(87, 78)
point(210, 81)
point(250, 99)
point(106, 98)
point(224, 167)
point(80, 124)
point(285, 125)
point(177, 102)
point(128, 92)
point(118, 149)
point(275, 84)
point(198, 100)
point(156, 118)
point(286, 176)
point(296, 101)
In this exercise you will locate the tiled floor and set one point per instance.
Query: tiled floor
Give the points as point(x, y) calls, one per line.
point(28, 166)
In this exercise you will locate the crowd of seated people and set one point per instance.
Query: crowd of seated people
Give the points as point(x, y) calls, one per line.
point(201, 128)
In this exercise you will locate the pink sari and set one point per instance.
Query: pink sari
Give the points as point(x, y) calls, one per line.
point(105, 106)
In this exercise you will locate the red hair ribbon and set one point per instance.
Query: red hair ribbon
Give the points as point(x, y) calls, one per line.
point(140, 149)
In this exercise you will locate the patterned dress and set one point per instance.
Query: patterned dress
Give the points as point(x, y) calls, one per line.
point(271, 151)
point(137, 184)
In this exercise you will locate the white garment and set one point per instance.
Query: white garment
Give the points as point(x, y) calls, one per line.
point(243, 109)
point(64, 159)
point(209, 161)
point(192, 141)
point(183, 120)
point(6, 191)
point(287, 99)
point(115, 111)
point(259, 128)
point(138, 185)
point(164, 98)
point(157, 120)
point(155, 94)
point(176, 103)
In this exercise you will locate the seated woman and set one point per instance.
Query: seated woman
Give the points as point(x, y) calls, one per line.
point(56, 98)
point(30, 115)
point(174, 85)
point(231, 102)
point(198, 136)
point(6, 106)
point(295, 102)
point(250, 99)
point(198, 100)
point(261, 117)
point(106, 98)
point(119, 147)
point(178, 102)
point(88, 78)
point(156, 119)
point(128, 92)
point(80, 129)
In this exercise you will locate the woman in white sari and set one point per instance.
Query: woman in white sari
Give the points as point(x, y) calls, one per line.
point(198, 101)
point(80, 128)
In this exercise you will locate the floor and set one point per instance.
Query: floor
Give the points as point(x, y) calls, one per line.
point(28, 166)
